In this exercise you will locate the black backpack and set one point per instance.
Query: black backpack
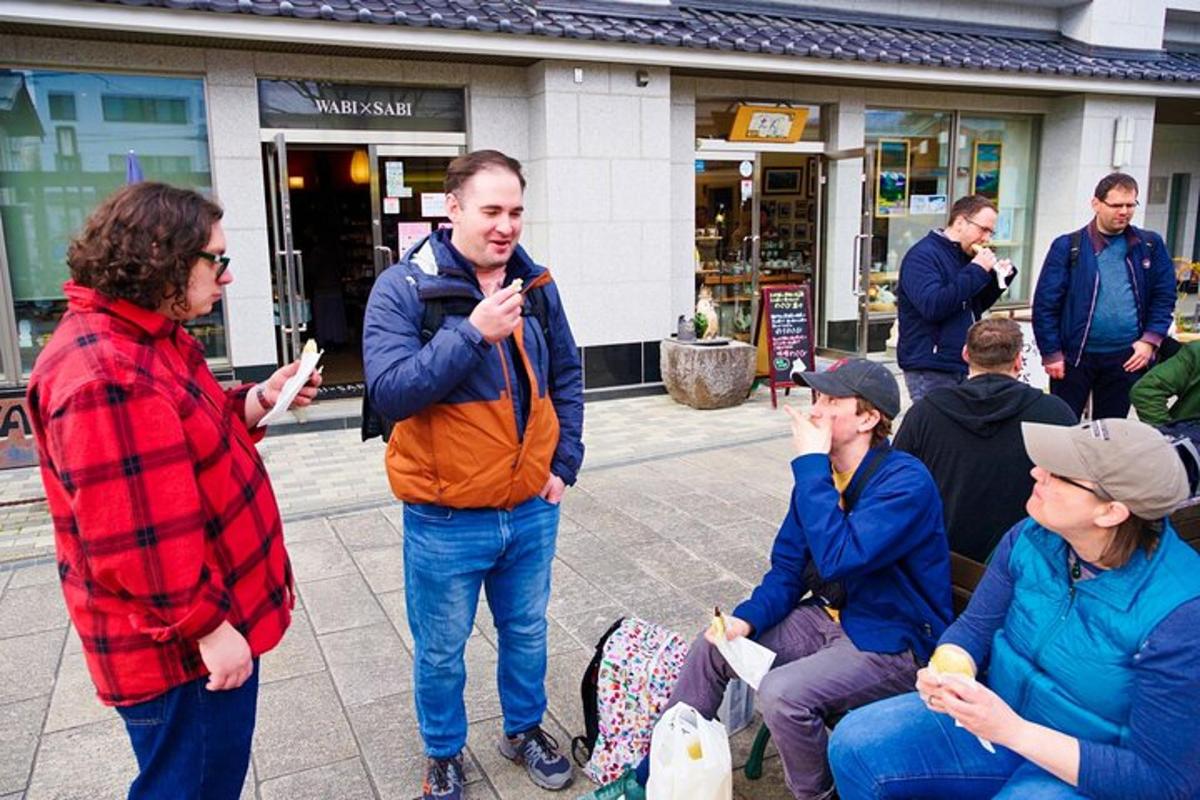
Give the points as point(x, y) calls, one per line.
point(435, 310)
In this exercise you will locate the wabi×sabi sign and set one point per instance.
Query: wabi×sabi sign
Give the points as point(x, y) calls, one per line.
point(17, 448)
point(321, 105)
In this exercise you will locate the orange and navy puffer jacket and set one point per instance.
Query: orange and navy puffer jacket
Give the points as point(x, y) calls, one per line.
point(477, 425)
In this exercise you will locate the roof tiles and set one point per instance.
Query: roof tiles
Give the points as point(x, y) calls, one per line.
point(749, 27)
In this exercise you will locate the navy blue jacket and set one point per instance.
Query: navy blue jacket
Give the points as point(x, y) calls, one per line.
point(890, 553)
point(942, 293)
point(1065, 300)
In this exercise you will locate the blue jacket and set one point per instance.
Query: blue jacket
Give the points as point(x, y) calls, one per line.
point(1065, 300)
point(941, 294)
point(478, 424)
point(1113, 660)
point(890, 554)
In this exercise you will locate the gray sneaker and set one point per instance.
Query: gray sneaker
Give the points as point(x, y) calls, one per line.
point(539, 752)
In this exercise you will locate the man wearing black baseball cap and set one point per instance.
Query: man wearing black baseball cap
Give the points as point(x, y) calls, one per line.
point(889, 558)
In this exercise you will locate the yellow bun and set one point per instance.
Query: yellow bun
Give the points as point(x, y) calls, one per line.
point(310, 346)
point(975, 248)
point(952, 659)
point(516, 284)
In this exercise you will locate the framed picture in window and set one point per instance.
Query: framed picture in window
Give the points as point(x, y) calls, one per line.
point(891, 178)
point(785, 209)
point(783, 180)
point(985, 170)
point(812, 181)
point(785, 232)
point(801, 232)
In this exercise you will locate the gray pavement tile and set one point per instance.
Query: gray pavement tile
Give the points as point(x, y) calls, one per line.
point(365, 529)
point(34, 575)
point(725, 592)
point(748, 562)
point(5, 577)
point(383, 567)
point(320, 559)
point(31, 609)
point(307, 530)
point(394, 513)
point(74, 701)
point(345, 780)
point(675, 611)
point(301, 725)
point(588, 626)
point(340, 603)
point(675, 565)
point(571, 593)
point(250, 786)
point(297, 654)
point(770, 786)
point(84, 763)
point(28, 665)
point(563, 674)
point(367, 663)
point(508, 779)
point(20, 725)
point(390, 743)
point(73, 645)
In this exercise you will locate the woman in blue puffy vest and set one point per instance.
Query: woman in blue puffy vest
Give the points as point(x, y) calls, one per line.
point(1086, 632)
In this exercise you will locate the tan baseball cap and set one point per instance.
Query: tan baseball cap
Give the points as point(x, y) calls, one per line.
point(1129, 461)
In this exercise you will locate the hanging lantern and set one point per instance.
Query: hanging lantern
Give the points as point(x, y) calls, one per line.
point(295, 181)
point(360, 167)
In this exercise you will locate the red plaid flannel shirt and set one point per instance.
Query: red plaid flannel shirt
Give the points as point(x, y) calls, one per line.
point(165, 523)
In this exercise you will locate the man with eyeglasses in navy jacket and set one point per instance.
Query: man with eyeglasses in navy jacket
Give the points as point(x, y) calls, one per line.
point(1104, 301)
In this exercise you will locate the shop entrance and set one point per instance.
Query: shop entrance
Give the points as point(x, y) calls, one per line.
point(341, 214)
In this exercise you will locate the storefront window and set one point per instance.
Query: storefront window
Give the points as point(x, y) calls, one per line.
point(64, 142)
point(915, 176)
point(908, 161)
point(996, 158)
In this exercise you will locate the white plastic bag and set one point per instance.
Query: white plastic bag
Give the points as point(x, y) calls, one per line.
point(689, 758)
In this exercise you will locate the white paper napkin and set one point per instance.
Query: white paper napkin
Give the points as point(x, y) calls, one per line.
point(308, 362)
point(749, 659)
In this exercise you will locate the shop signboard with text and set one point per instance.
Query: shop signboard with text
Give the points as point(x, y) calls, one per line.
point(321, 105)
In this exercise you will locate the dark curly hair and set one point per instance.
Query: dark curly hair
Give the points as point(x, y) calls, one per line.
point(140, 244)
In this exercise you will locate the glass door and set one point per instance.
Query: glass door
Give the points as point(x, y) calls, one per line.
point(291, 318)
point(727, 239)
point(408, 201)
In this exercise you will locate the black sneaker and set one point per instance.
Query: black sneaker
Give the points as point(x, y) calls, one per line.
point(443, 779)
point(538, 751)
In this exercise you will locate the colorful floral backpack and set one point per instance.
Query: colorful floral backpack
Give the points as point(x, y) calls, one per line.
point(625, 689)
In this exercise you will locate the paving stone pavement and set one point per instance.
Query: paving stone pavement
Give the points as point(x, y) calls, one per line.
point(674, 513)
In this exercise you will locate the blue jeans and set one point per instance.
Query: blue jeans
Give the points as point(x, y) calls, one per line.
point(449, 554)
point(898, 748)
point(192, 744)
point(921, 382)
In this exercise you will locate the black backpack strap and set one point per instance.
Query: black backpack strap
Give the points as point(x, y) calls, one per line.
point(536, 307)
point(582, 746)
point(1073, 257)
point(877, 456)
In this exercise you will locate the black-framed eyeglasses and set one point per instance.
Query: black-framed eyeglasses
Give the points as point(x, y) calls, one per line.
point(984, 228)
point(221, 262)
point(1118, 206)
point(1077, 484)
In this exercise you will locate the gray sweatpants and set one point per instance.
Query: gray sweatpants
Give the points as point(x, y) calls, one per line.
point(817, 671)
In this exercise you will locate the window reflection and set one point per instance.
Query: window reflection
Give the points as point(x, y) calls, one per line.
point(64, 140)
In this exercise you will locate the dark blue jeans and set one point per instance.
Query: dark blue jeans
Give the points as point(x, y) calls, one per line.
point(898, 748)
point(192, 744)
point(1102, 376)
point(921, 382)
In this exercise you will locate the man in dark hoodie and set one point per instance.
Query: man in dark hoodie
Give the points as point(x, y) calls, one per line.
point(947, 280)
point(969, 436)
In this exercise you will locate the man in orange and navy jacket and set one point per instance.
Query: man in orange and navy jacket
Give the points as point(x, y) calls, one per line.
point(489, 422)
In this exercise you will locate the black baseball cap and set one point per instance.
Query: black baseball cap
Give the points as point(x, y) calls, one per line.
point(857, 377)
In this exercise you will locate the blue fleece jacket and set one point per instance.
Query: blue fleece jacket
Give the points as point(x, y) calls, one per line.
point(1160, 757)
point(942, 293)
point(889, 552)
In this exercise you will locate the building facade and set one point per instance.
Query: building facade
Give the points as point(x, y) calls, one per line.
point(324, 130)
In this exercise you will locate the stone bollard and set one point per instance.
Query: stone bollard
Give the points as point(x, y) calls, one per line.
point(703, 376)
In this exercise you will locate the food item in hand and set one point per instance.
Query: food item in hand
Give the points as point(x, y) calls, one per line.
point(310, 347)
point(517, 283)
point(950, 659)
point(718, 623)
point(977, 248)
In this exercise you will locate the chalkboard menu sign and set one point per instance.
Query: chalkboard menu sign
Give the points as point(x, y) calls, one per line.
point(787, 311)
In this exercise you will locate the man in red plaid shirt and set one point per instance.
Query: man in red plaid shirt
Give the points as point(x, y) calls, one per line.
point(168, 537)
